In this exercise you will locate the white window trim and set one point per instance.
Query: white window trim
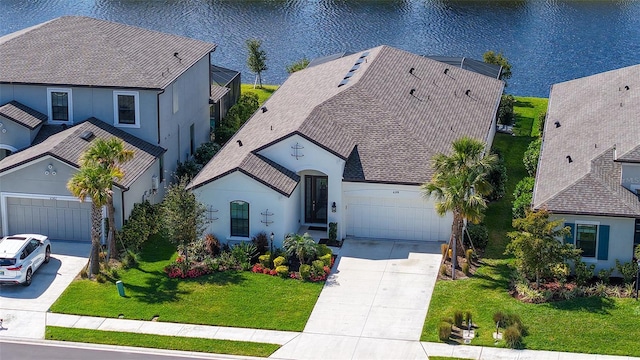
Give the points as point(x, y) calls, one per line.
point(50, 109)
point(575, 240)
point(116, 120)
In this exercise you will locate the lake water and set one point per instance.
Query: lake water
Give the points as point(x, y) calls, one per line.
point(545, 41)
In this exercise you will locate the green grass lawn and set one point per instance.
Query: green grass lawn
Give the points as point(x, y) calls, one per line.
point(527, 110)
point(160, 341)
point(587, 325)
point(263, 94)
point(238, 299)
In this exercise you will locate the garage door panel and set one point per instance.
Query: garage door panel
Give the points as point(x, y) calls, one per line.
point(58, 219)
point(395, 218)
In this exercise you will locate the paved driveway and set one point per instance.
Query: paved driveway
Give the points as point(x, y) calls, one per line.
point(23, 309)
point(376, 299)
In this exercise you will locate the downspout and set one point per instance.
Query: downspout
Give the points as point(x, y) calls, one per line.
point(122, 203)
point(494, 124)
point(158, 113)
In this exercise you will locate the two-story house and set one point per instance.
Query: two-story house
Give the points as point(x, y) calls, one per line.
point(348, 140)
point(72, 79)
point(589, 167)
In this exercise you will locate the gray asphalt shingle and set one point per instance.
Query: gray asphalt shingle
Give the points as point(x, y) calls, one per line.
point(82, 51)
point(396, 131)
point(22, 115)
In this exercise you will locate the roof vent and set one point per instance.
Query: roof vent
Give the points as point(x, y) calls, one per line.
point(264, 109)
point(411, 71)
point(557, 123)
point(87, 135)
point(446, 71)
point(239, 143)
point(569, 159)
point(626, 87)
point(177, 57)
point(468, 92)
point(412, 91)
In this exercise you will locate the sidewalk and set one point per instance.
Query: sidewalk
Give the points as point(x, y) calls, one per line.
point(356, 347)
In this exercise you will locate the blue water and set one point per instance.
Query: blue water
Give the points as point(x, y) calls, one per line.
point(545, 41)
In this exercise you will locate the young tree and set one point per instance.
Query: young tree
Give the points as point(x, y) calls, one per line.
point(537, 245)
point(506, 115)
point(301, 246)
point(490, 57)
point(108, 154)
point(298, 65)
point(185, 217)
point(257, 60)
point(237, 115)
point(460, 184)
point(93, 182)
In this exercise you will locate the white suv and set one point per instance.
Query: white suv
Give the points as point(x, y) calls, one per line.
point(21, 255)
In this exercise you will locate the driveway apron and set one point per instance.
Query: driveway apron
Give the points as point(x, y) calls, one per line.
point(374, 302)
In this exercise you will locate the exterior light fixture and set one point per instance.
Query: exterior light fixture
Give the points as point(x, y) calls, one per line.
point(271, 237)
point(333, 207)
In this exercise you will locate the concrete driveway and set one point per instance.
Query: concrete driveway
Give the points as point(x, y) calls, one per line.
point(373, 305)
point(23, 309)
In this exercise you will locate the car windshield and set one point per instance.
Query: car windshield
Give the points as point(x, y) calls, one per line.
point(7, 261)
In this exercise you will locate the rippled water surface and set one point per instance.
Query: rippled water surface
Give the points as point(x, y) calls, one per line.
point(546, 41)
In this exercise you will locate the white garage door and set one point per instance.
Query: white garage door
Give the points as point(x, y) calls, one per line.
point(58, 219)
point(395, 218)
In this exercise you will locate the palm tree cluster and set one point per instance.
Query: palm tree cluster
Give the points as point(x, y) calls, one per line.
point(460, 185)
point(99, 168)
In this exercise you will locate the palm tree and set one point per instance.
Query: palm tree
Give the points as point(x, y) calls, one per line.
point(109, 154)
point(460, 184)
point(93, 182)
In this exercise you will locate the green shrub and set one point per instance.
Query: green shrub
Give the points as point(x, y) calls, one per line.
point(512, 336)
point(443, 250)
point(129, 260)
point(326, 259)
point(531, 155)
point(498, 317)
point(245, 252)
point(522, 197)
point(583, 272)
point(113, 273)
point(211, 245)
point(515, 321)
point(265, 260)
point(323, 250)
point(144, 221)
point(468, 318)
point(261, 241)
point(101, 278)
point(468, 255)
point(279, 261)
point(205, 152)
point(317, 268)
point(627, 270)
point(444, 331)
point(506, 115)
point(448, 319)
point(301, 246)
point(187, 170)
point(465, 268)
point(605, 275)
point(457, 318)
point(305, 271)
point(443, 270)
point(333, 232)
point(212, 264)
point(541, 119)
point(497, 177)
point(479, 236)
point(282, 270)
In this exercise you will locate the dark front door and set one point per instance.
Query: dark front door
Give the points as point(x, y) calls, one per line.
point(315, 199)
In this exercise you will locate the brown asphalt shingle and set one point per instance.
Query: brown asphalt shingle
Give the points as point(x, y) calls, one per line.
point(396, 133)
point(67, 146)
point(22, 115)
point(82, 51)
point(596, 114)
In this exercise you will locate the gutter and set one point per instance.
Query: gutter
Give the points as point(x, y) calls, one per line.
point(158, 112)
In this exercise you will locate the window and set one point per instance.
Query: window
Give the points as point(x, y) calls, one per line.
point(59, 106)
point(126, 109)
point(240, 219)
point(586, 239)
point(192, 139)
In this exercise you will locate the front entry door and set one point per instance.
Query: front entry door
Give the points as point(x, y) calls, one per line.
point(316, 199)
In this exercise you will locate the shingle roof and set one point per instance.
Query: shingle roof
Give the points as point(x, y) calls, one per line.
point(22, 115)
point(82, 51)
point(396, 130)
point(67, 146)
point(596, 114)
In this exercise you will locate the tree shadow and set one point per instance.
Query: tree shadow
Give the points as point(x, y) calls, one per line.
point(497, 278)
point(592, 304)
point(520, 103)
point(158, 288)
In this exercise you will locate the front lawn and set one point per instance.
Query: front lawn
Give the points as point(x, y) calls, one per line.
point(238, 299)
point(263, 93)
point(586, 325)
point(160, 341)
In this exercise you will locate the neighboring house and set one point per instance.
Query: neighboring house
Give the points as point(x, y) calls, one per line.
point(225, 92)
point(589, 167)
point(348, 140)
point(76, 75)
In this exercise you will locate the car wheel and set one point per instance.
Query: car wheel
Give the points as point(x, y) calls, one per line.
point(27, 279)
point(47, 255)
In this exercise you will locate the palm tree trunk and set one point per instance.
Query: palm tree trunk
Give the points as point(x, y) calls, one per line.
point(96, 217)
point(111, 237)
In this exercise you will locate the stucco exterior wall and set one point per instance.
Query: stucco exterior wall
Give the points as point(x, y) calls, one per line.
point(237, 186)
point(621, 234)
point(14, 135)
point(190, 93)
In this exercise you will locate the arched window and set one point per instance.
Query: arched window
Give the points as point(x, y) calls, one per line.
point(240, 218)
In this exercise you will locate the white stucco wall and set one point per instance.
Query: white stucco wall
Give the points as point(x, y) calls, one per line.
point(238, 186)
point(315, 160)
point(621, 234)
point(14, 135)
